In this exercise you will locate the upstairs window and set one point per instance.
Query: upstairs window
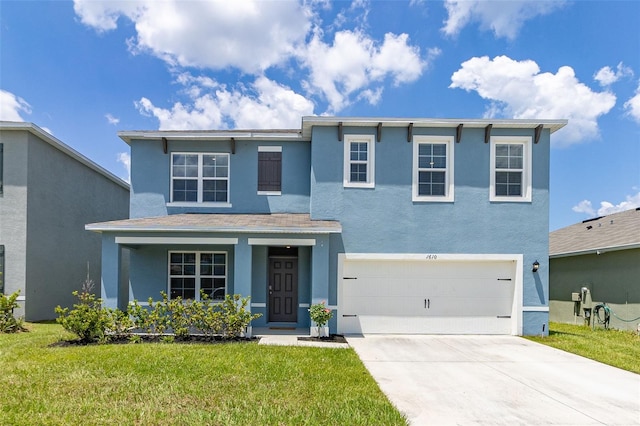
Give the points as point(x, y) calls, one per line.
point(359, 161)
point(200, 178)
point(269, 170)
point(432, 168)
point(510, 168)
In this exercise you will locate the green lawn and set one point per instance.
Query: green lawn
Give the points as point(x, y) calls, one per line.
point(204, 384)
point(614, 347)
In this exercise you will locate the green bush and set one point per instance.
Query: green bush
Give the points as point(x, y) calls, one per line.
point(91, 322)
point(235, 317)
point(88, 319)
point(8, 322)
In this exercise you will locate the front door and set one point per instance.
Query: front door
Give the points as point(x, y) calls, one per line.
point(283, 289)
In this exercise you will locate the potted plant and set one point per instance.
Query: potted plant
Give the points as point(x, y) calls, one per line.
point(320, 316)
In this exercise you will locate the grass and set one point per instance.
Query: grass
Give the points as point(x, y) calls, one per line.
point(161, 384)
point(614, 347)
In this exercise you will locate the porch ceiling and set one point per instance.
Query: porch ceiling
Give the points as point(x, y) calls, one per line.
point(285, 223)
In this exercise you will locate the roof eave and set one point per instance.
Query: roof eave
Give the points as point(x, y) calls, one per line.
point(61, 146)
point(599, 250)
point(309, 121)
point(225, 135)
point(222, 229)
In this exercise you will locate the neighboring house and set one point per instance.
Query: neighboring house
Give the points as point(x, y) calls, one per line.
point(48, 192)
point(400, 225)
point(603, 255)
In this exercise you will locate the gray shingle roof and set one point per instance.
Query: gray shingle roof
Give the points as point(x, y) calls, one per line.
point(614, 232)
point(246, 223)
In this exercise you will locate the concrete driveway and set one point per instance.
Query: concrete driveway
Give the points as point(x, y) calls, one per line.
point(496, 380)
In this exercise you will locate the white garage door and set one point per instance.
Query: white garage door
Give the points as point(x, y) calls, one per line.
point(426, 296)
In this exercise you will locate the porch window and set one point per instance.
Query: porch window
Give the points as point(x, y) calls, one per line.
point(200, 178)
point(1, 269)
point(191, 273)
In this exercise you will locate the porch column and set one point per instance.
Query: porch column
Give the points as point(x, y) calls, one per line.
point(242, 269)
point(111, 271)
point(320, 270)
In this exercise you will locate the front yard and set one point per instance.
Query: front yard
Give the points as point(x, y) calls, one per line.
point(614, 347)
point(156, 383)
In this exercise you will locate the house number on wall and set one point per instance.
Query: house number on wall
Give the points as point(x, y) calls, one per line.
point(432, 256)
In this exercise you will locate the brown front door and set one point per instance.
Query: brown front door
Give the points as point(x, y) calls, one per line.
point(283, 289)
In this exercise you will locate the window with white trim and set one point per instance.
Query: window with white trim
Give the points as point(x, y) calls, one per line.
point(510, 168)
point(191, 273)
point(200, 178)
point(359, 161)
point(433, 168)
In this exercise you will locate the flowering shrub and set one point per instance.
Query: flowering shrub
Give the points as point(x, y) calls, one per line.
point(320, 314)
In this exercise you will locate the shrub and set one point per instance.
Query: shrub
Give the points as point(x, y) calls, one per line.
point(8, 322)
point(320, 314)
point(88, 319)
point(235, 317)
point(207, 317)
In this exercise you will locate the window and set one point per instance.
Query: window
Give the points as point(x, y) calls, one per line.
point(1, 269)
point(359, 161)
point(193, 272)
point(432, 168)
point(510, 168)
point(269, 170)
point(1, 164)
point(200, 178)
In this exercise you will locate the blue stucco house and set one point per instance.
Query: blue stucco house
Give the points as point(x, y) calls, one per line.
point(400, 225)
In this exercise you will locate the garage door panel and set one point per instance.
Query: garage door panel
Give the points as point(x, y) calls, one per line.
point(432, 325)
point(389, 296)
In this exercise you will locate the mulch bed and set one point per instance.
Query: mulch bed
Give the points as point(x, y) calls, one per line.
point(156, 339)
point(334, 338)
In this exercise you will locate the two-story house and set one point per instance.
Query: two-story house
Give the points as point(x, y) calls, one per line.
point(48, 193)
point(400, 225)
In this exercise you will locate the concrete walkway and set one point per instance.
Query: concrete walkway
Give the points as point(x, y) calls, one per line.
point(290, 338)
point(497, 380)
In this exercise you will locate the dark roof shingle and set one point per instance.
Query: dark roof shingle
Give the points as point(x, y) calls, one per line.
point(616, 230)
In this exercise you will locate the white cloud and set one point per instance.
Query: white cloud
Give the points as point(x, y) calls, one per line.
point(504, 18)
point(354, 62)
point(11, 106)
point(585, 207)
point(606, 208)
point(111, 119)
point(125, 159)
point(250, 35)
point(606, 76)
point(517, 89)
point(632, 106)
point(265, 104)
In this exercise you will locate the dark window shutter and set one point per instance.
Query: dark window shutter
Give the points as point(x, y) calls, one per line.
point(269, 171)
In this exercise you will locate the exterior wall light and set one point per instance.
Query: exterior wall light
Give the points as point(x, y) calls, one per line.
point(536, 266)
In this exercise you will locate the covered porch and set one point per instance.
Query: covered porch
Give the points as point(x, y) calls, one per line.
point(281, 261)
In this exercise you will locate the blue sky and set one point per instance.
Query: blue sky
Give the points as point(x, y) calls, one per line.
point(84, 70)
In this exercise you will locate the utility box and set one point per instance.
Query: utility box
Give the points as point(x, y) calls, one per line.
point(576, 297)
